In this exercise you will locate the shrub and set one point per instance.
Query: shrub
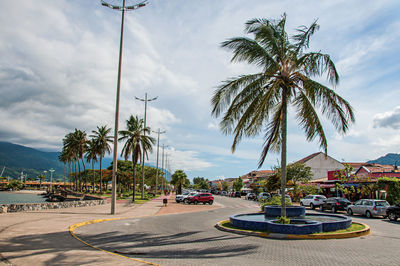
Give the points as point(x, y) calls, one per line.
point(274, 201)
point(282, 220)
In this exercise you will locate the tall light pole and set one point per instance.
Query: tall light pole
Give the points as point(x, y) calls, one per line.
point(162, 167)
point(158, 148)
point(51, 179)
point(145, 100)
point(122, 8)
point(45, 175)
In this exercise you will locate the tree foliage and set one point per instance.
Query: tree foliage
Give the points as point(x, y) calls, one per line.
point(238, 184)
point(258, 103)
point(179, 180)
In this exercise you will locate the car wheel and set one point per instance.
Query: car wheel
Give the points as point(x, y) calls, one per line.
point(195, 202)
point(333, 210)
point(185, 201)
point(301, 203)
point(392, 217)
point(349, 212)
point(210, 202)
point(312, 206)
point(177, 201)
point(368, 214)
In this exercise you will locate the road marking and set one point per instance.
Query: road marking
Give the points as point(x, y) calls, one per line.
point(74, 226)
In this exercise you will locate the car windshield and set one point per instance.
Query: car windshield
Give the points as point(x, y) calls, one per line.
point(343, 200)
point(382, 203)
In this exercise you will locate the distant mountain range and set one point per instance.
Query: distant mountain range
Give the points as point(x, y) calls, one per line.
point(18, 158)
point(390, 158)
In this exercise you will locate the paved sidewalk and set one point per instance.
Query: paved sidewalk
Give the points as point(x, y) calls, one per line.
point(42, 237)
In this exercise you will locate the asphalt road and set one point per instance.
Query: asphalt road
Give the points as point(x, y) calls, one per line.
point(191, 239)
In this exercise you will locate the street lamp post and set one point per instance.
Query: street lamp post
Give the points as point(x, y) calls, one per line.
point(158, 148)
point(122, 8)
point(145, 100)
point(162, 167)
point(51, 179)
point(45, 174)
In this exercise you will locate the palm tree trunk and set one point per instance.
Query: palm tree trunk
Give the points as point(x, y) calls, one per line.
point(84, 172)
point(64, 173)
point(101, 176)
point(79, 175)
point(133, 177)
point(283, 151)
point(93, 176)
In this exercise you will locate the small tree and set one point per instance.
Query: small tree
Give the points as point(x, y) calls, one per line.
point(238, 184)
point(179, 179)
point(225, 186)
point(392, 187)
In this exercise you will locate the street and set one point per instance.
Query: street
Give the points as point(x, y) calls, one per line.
point(191, 239)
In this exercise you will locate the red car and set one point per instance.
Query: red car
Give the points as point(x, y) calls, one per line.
point(201, 197)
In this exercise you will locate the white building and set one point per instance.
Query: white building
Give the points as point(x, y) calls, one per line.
point(320, 164)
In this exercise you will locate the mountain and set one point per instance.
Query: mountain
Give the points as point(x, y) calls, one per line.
point(18, 158)
point(390, 158)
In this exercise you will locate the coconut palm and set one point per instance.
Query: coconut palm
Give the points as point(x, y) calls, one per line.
point(91, 156)
point(76, 143)
point(257, 103)
point(179, 179)
point(136, 139)
point(103, 140)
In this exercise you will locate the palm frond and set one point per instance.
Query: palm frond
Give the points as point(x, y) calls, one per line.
point(316, 64)
point(302, 39)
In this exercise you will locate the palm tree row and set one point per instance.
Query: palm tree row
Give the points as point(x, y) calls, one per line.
point(76, 146)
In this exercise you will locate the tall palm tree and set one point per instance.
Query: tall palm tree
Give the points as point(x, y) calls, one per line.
point(91, 156)
point(136, 139)
point(179, 179)
point(255, 103)
point(103, 140)
point(76, 142)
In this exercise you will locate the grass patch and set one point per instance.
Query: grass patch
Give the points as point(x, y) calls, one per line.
point(353, 228)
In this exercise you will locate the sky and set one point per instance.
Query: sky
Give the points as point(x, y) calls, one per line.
point(59, 59)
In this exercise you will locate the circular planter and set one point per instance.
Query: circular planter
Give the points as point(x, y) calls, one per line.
point(342, 222)
point(299, 227)
point(291, 211)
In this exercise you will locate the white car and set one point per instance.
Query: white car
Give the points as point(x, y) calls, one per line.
point(183, 196)
point(312, 201)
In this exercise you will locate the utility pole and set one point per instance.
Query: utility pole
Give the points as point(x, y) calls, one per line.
point(51, 179)
point(158, 147)
point(122, 8)
point(145, 100)
point(162, 167)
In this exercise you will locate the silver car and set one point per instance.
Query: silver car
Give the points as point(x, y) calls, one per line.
point(368, 207)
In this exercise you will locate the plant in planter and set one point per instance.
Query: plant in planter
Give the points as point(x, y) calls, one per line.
point(282, 220)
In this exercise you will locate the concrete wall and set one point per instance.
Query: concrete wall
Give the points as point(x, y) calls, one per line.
point(321, 165)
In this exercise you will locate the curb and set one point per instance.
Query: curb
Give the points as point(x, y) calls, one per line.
point(359, 233)
point(77, 225)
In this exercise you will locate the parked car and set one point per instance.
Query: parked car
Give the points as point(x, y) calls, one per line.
point(312, 201)
point(224, 193)
point(368, 207)
point(237, 194)
point(251, 196)
point(183, 196)
point(200, 198)
point(335, 204)
point(264, 195)
point(393, 212)
point(231, 194)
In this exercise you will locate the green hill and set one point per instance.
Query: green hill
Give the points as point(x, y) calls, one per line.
point(390, 158)
point(18, 158)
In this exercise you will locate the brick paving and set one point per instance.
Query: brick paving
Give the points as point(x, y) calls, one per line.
point(191, 239)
